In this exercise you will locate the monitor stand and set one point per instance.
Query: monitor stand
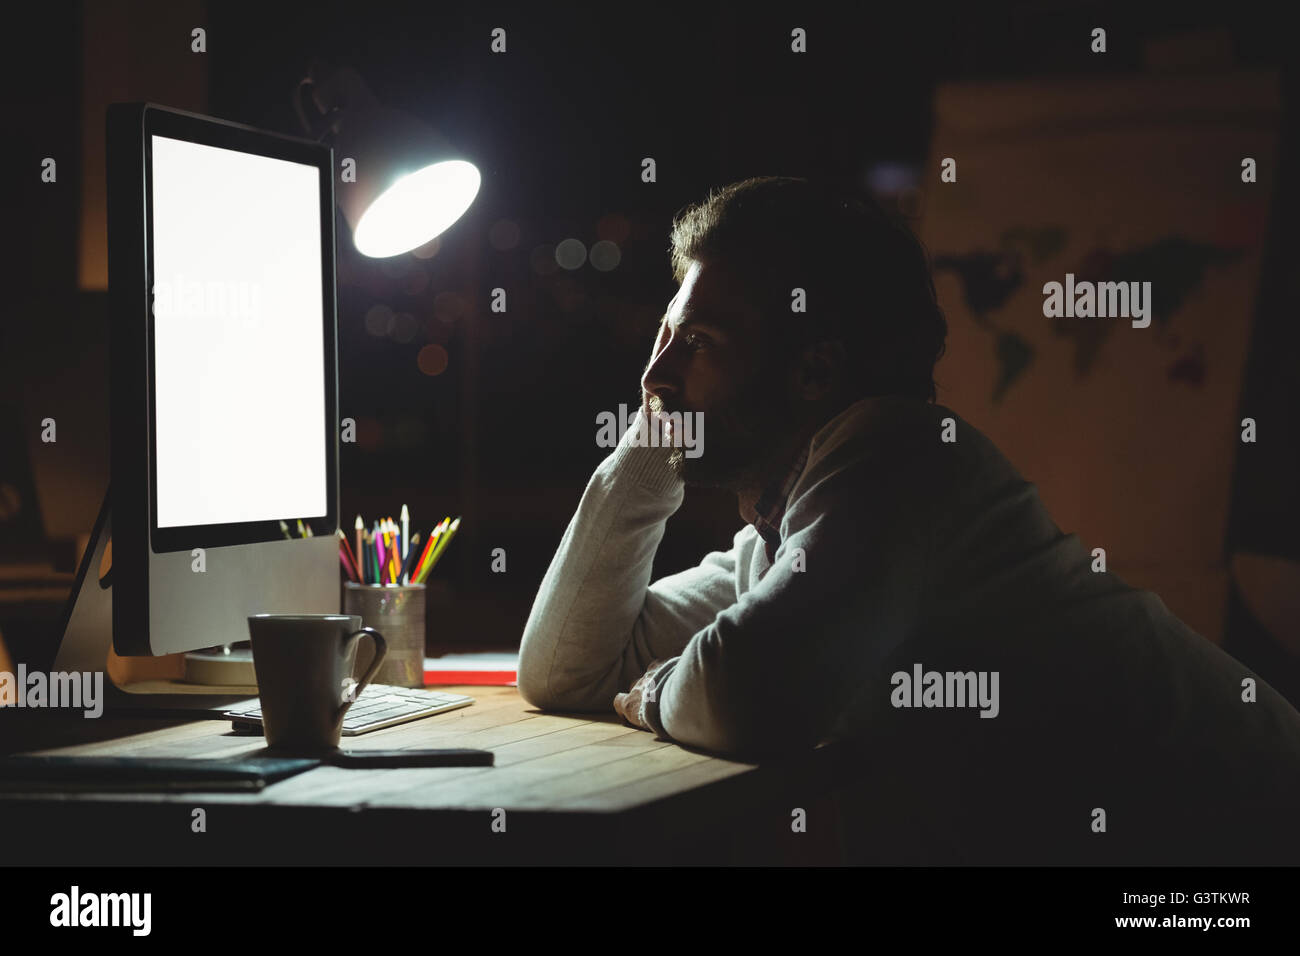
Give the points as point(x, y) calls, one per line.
point(227, 666)
point(86, 637)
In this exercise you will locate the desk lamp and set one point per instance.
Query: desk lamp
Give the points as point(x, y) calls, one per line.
point(410, 186)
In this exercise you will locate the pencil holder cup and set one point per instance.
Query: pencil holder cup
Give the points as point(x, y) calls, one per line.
point(397, 612)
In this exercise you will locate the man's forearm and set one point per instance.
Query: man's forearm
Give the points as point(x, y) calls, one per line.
point(581, 644)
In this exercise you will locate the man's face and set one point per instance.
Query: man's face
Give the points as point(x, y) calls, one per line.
point(713, 357)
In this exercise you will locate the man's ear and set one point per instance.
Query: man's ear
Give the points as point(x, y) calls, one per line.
point(821, 369)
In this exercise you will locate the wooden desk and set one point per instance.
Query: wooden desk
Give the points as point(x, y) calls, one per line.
point(574, 788)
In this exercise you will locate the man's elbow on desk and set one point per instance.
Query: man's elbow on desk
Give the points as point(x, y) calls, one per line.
point(537, 688)
point(534, 692)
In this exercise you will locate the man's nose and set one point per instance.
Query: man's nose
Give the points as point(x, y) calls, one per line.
point(659, 378)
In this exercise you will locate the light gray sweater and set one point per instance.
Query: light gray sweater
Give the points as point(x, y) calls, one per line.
point(898, 549)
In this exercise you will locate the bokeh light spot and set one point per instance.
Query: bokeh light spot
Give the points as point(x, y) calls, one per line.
point(570, 254)
point(606, 255)
point(404, 327)
point(449, 308)
point(432, 359)
point(379, 319)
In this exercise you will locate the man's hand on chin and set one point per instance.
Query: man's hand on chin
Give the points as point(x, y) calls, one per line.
point(629, 705)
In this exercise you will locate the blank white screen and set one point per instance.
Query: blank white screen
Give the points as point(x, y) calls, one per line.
point(239, 351)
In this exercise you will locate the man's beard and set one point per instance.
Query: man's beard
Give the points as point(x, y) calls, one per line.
point(740, 432)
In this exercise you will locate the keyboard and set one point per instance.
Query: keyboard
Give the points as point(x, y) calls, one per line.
point(379, 706)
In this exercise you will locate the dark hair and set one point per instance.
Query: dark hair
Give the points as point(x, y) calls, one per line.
point(866, 276)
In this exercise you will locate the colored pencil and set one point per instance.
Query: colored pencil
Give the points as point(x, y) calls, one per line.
point(364, 563)
point(343, 540)
point(406, 532)
point(438, 532)
point(360, 529)
point(420, 558)
point(445, 543)
point(352, 558)
point(348, 567)
point(442, 547)
point(390, 553)
point(412, 553)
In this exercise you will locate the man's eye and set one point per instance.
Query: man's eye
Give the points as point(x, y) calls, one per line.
point(695, 343)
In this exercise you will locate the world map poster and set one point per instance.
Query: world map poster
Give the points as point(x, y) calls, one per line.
point(1135, 184)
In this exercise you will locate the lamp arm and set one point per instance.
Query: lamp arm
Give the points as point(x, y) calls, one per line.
point(318, 125)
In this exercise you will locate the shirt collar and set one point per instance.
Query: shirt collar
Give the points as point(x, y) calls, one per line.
point(770, 507)
point(771, 504)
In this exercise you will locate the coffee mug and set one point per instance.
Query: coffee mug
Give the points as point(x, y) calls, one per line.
point(304, 676)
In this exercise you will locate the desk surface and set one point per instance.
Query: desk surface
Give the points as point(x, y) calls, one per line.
point(580, 768)
point(590, 762)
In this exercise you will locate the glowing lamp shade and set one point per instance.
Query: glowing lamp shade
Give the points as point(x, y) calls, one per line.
point(407, 183)
point(416, 208)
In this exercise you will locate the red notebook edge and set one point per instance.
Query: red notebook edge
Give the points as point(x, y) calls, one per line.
point(470, 678)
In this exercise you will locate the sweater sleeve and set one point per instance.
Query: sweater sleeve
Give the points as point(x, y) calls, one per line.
point(596, 623)
point(776, 670)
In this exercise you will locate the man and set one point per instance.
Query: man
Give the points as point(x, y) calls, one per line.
point(898, 588)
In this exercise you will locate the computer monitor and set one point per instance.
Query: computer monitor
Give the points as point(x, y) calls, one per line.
point(223, 379)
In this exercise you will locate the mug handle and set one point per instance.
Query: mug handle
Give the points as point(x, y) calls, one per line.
point(381, 651)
